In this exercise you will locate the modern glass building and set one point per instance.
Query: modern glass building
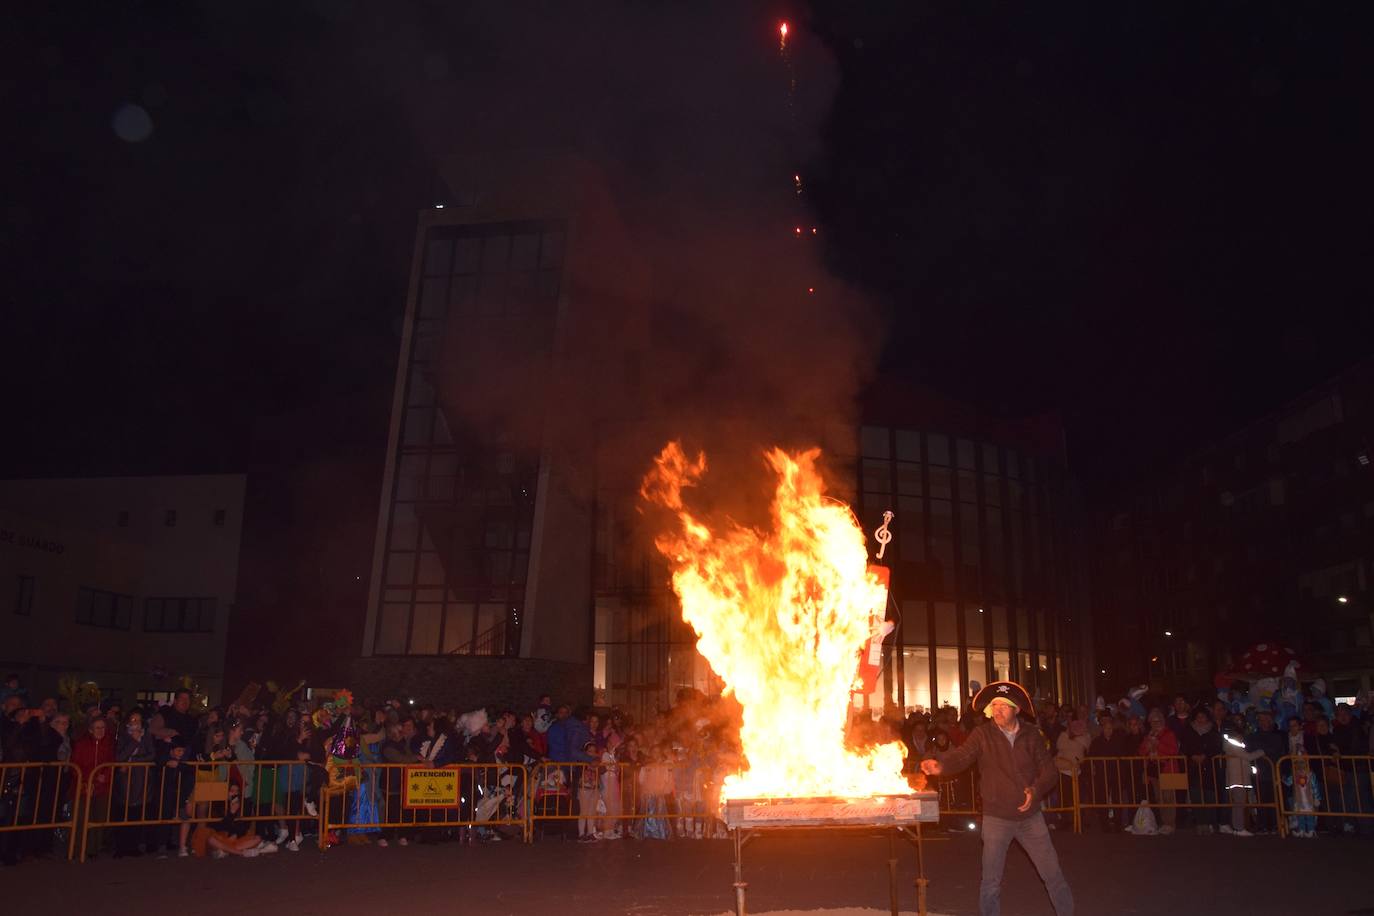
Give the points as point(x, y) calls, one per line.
point(980, 586)
point(978, 558)
point(455, 543)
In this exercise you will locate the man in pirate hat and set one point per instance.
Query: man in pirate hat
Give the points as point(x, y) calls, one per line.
point(1015, 771)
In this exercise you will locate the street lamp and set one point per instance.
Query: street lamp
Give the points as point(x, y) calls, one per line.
point(1343, 599)
point(1168, 632)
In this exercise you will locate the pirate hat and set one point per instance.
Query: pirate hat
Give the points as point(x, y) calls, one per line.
point(1004, 690)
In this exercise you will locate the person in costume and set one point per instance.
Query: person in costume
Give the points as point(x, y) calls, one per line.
point(335, 722)
point(1015, 773)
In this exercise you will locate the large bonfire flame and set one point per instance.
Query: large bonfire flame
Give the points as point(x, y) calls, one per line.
point(781, 617)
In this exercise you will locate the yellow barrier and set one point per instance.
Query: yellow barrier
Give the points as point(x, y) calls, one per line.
point(33, 795)
point(611, 798)
point(460, 796)
point(1338, 786)
point(615, 798)
point(1170, 784)
point(152, 795)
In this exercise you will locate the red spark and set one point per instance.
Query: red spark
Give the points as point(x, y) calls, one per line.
point(782, 35)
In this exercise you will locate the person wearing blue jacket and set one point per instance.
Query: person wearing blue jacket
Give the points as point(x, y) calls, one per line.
point(557, 735)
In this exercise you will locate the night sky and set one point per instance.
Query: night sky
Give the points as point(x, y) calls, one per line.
point(1152, 218)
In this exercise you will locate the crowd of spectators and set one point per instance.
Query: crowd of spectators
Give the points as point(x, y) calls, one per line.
point(599, 776)
point(611, 769)
point(1233, 752)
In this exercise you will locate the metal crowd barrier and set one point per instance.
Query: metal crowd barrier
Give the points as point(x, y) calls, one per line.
point(372, 799)
point(959, 797)
point(144, 798)
point(1176, 783)
point(1339, 787)
point(39, 796)
point(144, 801)
point(629, 798)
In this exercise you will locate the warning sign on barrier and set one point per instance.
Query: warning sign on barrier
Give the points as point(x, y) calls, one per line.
point(426, 788)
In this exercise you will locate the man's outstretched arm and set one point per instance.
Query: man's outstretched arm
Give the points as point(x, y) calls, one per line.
point(957, 759)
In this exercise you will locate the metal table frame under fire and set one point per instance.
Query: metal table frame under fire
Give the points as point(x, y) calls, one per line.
point(896, 814)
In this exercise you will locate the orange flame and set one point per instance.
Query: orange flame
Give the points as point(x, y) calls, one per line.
point(781, 616)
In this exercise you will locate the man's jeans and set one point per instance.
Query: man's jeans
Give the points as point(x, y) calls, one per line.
point(1034, 838)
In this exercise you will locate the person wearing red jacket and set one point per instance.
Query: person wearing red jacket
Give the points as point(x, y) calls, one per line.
point(92, 749)
point(1160, 746)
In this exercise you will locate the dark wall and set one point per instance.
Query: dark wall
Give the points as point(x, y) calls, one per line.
point(468, 682)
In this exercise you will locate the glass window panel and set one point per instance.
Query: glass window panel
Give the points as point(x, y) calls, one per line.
point(498, 567)
point(524, 252)
point(909, 527)
point(937, 448)
point(462, 293)
point(908, 478)
point(968, 487)
point(438, 257)
point(940, 486)
point(916, 678)
point(599, 670)
point(603, 621)
point(908, 445)
point(1013, 464)
point(551, 251)
point(442, 436)
point(424, 629)
point(915, 625)
point(1001, 634)
point(977, 660)
point(495, 253)
point(488, 616)
point(466, 252)
point(546, 287)
point(420, 392)
point(992, 490)
point(520, 290)
point(491, 294)
point(873, 442)
point(434, 297)
point(992, 542)
point(948, 691)
point(877, 476)
point(1024, 675)
point(102, 609)
point(431, 571)
point(391, 634)
point(1022, 629)
point(946, 629)
point(426, 341)
point(1044, 642)
point(968, 536)
point(973, 625)
point(1001, 665)
point(419, 421)
point(990, 463)
point(966, 459)
point(458, 619)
